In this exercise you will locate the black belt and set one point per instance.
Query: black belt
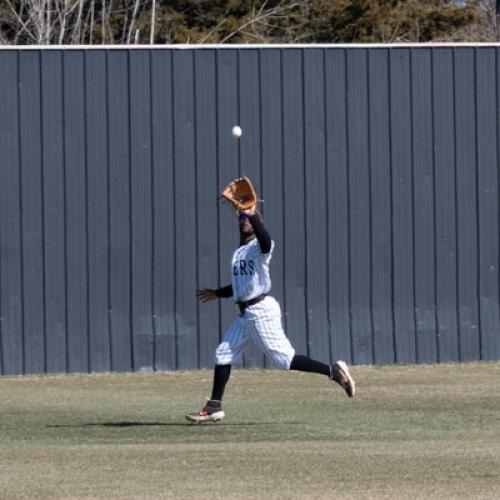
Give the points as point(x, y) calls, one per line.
point(244, 304)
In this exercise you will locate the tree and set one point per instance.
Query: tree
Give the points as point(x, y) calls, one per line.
point(385, 21)
point(243, 21)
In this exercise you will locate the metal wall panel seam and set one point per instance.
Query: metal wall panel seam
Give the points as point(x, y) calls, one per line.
point(98, 232)
point(162, 132)
point(443, 196)
point(10, 224)
point(304, 180)
point(185, 237)
point(466, 179)
point(457, 240)
point(2, 319)
point(119, 231)
point(413, 221)
point(42, 181)
point(433, 136)
point(131, 226)
point(152, 206)
point(65, 216)
point(412, 202)
point(141, 205)
point(348, 195)
point(497, 95)
point(478, 221)
point(174, 209)
point(197, 243)
point(424, 211)
point(283, 192)
point(327, 213)
point(403, 204)
point(359, 243)
point(55, 252)
point(21, 218)
point(392, 205)
point(72, 137)
point(108, 214)
point(87, 260)
point(370, 205)
point(208, 187)
point(487, 174)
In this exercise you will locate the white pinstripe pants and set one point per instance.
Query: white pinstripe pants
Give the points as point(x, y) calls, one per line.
point(261, 324)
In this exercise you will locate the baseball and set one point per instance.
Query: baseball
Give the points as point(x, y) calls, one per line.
point(236, 131)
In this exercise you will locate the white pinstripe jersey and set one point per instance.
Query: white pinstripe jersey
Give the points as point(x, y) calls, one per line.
point(250, 271)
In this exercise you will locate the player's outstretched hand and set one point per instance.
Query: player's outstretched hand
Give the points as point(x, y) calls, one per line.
point(206, 294)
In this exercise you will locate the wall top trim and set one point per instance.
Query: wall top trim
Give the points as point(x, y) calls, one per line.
point(246, 46)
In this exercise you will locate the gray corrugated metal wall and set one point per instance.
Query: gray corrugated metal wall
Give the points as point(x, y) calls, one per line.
point(379, 167)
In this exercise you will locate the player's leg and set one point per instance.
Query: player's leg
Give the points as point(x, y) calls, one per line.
point(264, 325)
point(267, 332)
point(229, 351)
point(263, 321)
point(305, 364)
point(221, 377)
point(338, 372)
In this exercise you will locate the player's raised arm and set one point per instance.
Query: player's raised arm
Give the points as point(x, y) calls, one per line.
point(259, 230)
point(261, 233)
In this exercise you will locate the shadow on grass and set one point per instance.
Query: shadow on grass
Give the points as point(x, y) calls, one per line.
point(169, 424)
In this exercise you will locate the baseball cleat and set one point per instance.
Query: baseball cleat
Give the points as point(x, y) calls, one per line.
point(211, 412)
point(339, 372)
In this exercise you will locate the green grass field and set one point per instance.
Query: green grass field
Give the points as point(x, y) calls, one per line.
point(411, 432)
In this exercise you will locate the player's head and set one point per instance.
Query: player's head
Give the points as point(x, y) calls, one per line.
point(246, 229)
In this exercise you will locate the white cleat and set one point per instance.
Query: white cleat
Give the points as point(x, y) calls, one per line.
point(211, 412)
point(339, 372)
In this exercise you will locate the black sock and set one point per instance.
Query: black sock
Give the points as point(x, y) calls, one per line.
point(305, 364)
point(221, 376)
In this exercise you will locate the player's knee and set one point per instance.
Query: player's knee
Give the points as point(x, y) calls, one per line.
point(223, 355)
point(283, 360)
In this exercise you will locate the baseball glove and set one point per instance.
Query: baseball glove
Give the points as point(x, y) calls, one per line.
point(240, 193)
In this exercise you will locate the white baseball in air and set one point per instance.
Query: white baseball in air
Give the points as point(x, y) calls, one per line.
point(236, 131)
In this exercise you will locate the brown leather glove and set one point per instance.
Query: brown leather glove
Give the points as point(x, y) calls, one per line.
point(240, 193)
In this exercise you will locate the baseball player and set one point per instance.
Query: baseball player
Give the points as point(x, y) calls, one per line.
point(259, 320)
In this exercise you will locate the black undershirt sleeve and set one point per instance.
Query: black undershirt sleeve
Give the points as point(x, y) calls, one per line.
point(224, 292)
point(261, 234)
